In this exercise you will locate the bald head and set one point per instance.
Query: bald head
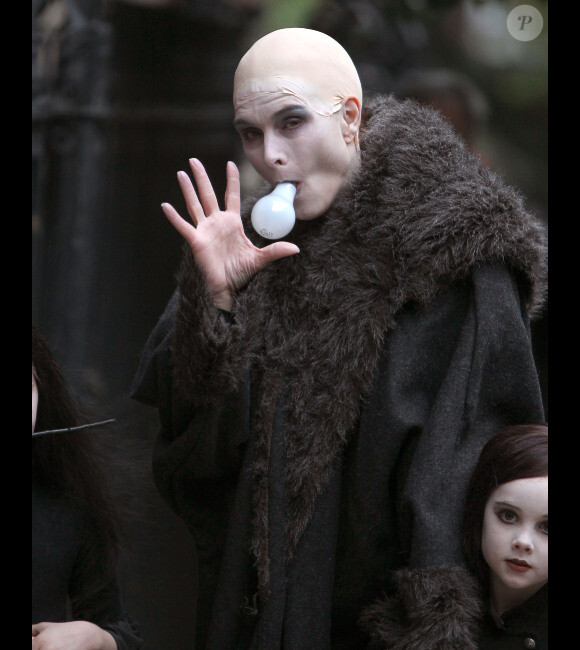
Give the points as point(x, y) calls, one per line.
point(304, 63)
point(298, 102)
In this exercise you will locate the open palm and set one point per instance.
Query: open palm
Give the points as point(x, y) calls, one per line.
point(216, 237)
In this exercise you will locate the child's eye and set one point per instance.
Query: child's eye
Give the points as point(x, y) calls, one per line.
point(507, 516)
point(543, 526)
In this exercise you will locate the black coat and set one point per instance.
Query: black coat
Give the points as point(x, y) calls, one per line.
point(522, 628)
point(320, 436)
point(66, 559)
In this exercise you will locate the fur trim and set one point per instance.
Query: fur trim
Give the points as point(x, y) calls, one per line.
point(420, 212)
point(435, 609)
point(212, 350)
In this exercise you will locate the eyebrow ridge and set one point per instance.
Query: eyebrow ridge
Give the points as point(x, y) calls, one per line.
point(508, 504)
point(240, 121)
point(513, 506)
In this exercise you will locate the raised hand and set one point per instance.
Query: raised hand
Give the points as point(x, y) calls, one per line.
point(217, 239)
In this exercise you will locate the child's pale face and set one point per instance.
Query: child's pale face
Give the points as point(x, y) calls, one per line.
point(515, 540)
point(34, 401)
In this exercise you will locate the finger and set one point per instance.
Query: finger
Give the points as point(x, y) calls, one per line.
point(233, 200)
point(191, 201)
point(277, 251)
point(184, 228)
point(37, 628)
point(206, 194)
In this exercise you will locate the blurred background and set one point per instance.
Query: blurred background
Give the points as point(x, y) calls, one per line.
point(123, 94)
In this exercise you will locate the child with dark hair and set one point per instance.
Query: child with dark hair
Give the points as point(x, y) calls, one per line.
point(505, 537)
point(75, 535)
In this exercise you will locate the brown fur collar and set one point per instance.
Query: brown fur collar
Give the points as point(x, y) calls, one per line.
point(435, 608)
point(418, 213)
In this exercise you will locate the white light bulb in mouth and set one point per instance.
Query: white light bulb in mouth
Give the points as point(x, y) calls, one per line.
point(273, 215)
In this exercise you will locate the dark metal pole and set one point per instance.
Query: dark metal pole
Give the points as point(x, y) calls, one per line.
point(71, 54)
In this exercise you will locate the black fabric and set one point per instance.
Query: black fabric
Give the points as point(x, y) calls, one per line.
point(403, 474)
point(347, 396)
point(65, 559)
point(520, 626)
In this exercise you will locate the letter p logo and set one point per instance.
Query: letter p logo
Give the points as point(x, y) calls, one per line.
point(525, 23)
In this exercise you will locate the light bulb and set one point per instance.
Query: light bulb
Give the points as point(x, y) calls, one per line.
point(273, 215)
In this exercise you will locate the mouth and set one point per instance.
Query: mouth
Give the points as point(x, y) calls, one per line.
point(520, 566)
point(298, 185)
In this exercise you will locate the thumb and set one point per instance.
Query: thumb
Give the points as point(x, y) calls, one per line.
point(278, 250)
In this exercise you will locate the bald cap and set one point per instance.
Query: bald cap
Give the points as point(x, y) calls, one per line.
point(305, 63)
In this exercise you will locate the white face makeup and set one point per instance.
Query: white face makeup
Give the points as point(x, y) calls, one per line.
point(297, 100)
point(515, 541)
point(34, 401)
point(285, 140)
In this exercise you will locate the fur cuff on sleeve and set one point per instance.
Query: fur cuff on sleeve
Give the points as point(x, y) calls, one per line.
point(206, 358)
point(434, 609)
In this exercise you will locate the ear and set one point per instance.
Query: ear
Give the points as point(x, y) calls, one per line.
point(351, 117)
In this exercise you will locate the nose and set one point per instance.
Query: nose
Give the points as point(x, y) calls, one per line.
point(274, 153)
point(523, 543)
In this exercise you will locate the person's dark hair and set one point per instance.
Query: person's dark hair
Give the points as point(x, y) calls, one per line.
point(514, 453)
point(68, 463)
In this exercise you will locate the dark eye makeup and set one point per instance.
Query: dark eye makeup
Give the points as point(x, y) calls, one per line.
point(507, 516)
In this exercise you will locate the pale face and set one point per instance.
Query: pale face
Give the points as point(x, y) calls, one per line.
point(285, 140)
point(515, 541)
point(34, 400)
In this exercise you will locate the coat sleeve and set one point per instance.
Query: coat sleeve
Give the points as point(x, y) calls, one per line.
point(101, 604)
point(194, 370)
point(452, 382)
point(490, 381)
